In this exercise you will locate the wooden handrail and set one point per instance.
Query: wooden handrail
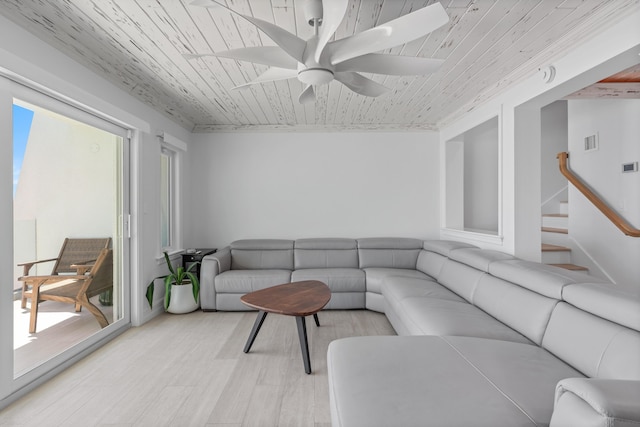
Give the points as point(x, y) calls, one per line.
point(613, 216)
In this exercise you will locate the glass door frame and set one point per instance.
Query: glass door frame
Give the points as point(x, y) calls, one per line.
point(12, 387)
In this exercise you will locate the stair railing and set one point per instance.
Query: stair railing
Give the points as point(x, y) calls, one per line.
point(613, 216)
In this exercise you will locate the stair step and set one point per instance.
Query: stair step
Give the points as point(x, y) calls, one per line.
point(555, 230)
point(572, 267)
point(557, 220)
point(554, 248)
point(552, 254)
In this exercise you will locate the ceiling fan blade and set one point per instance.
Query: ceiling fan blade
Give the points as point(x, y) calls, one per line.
point(380, 63)
point(267, 55)
point(393, 33)
point(360, 84)
point(307, 95)
point(290, 43)
point(332, 14)
point(271, 75)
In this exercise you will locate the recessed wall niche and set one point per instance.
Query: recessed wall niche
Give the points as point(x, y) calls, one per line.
point(472, 180)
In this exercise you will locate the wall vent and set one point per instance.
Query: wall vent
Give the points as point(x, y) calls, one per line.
point(591, 142)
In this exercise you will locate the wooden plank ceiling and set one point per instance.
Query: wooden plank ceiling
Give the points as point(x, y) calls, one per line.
point(139, 44)
point(622, 85)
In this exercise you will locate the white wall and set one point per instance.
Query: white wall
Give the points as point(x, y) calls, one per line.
point(481, 177)
point(616, 122)
point(554, 141)
point(296, 185)
point(612, 50)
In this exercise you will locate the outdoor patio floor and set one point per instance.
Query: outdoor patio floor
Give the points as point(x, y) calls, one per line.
point(59, 328)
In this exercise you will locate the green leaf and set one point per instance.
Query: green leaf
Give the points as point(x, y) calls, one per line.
point(167, 291)
point(195, 285)
point(168, 261)
point(150, 290)
point(192, 265)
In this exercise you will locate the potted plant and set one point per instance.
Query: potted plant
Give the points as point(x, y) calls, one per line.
point(179, 297)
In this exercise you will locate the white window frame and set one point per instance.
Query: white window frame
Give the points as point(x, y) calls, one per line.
point(174, 149)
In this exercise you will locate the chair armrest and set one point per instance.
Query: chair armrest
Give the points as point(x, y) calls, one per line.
point(596, 402)
point(27, 265)
point(37, 281)
point(211, 266)
point(82, 268)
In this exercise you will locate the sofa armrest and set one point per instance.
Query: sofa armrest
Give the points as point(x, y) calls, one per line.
point(212, 265)
point(596, 402)
point(222, 259)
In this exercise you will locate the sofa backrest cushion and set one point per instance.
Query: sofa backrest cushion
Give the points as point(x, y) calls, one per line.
point(430, 263)
point(595, 346)
point(544, 279)
point(262, 254)
point(460, 278)
point(521, 309)
point(607, 301)
point(478, 258)
point(325, 253)
point(388, 252)
point(444, 247)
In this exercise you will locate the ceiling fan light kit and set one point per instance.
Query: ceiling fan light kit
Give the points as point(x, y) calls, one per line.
point(319, 61)
point(315, 76)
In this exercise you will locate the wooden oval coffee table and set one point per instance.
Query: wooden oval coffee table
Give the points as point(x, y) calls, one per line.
point(299, 299)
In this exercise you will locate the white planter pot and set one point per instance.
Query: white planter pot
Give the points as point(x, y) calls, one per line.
point(182, 300)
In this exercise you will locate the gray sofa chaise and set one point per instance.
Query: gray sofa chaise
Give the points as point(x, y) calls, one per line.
point(485, 339)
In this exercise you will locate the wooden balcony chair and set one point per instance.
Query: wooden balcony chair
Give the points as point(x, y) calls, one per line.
point(73, 252)
point(74, 289)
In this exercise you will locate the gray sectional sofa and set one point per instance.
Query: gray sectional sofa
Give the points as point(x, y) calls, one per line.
point(484, 339)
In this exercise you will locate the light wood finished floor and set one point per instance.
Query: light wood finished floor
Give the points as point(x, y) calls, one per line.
point(189, 370)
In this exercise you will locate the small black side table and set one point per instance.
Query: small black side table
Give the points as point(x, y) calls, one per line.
point(190, 257)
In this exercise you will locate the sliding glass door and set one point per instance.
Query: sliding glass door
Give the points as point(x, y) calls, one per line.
point(67, 286)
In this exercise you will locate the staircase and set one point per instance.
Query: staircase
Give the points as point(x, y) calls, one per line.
point(555, 230)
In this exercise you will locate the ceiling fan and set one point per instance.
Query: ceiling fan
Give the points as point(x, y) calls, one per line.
point(318, 60)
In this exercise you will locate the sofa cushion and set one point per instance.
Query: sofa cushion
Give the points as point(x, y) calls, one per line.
point(444, 247)
point(436, 381)
point(460, 278)
point(478, 258)
point(430, 263)
point(596, 347)
point(261, 254)
point(325, 253)
point(544, 279)
point(521, 309)
point(376, 276)
point(607, 301)
point(337, 279)
point(243, 281)
point(395, 289)
point(388, 252)
point(435, 316)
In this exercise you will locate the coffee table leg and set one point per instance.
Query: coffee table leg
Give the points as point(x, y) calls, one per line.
point(304, 345)
point(254, 331)
point(315, 317)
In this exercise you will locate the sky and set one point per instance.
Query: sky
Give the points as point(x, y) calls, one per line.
point(22, 118)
